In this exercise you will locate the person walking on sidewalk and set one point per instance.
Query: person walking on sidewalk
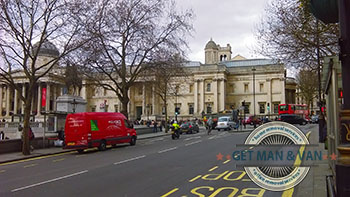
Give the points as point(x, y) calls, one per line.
point(155, 126)
point(2, 135)
point(209, 125)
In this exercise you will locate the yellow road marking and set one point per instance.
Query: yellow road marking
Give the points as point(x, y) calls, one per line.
point(289, 192)
point(35, 158)
point(58, 160)
point(195, 178)
point(1, 171)
point(226, 161)
point(30, 165)
point(251, 147)
point(246, 180)
point(213, 168)
point(172, 191)
point(235, 156)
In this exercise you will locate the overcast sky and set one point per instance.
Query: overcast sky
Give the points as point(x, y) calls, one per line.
point(227, 22)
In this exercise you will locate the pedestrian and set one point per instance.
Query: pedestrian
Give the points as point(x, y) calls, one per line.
point(160, 126)
point(209, 125)
point(2, 135)
point(155, 126)
point(31, 138)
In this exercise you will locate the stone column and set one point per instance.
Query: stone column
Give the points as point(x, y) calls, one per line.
point(0, 99)
point(24, 95)
point(39, 99)
point(144, 110)
point(215, 90)
point(8, 101)
point(48, 87)
point(153, 101)
point(283, 91)
point(129, 104)
point(222, 95)
point(54, 97)
point(202, 100)
point(195, 96)
point(269, 95)
point(15, 101)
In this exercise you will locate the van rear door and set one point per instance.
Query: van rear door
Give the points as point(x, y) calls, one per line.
point(75, 131)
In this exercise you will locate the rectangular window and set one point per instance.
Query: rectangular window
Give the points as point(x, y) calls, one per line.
point(93, 108)
point(116, 108)
point(246, 107)
point(261, 87)
point(245, 88)
point(191, 88)
point(208, 87)
point(209, 109)
point(190, 109)
point(262, 108)
point(275, 108)
point(163, 110)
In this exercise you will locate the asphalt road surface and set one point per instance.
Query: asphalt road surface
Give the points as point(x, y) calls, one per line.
point(194, 165)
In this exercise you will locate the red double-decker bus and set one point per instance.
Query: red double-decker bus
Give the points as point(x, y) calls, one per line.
point(300, 109)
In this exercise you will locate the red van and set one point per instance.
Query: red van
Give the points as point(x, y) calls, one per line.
point(97, 129)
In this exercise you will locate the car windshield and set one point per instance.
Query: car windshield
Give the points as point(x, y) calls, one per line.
point(223, 119)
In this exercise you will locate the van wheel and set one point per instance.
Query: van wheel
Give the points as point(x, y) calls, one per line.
point(133, 141)
point(80, 151)
point(102, 146)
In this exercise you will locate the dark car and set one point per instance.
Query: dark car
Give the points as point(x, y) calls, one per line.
point(189, 127)
point(292, 119)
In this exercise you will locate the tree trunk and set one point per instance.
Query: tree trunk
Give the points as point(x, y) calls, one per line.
point(166, 116)
point(125, 100)
point(26, 123)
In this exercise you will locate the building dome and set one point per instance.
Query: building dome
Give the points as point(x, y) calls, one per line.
point(211, 45)
point(47, 49)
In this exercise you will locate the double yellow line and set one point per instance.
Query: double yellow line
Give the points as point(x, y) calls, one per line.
point(289, 192)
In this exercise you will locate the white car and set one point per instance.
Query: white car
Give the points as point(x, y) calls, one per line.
point(225, 122)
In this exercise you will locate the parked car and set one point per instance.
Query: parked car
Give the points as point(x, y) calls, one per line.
point(225, 122)
point(97, 129)
point(314, 119)
point(189, 127)
point(251, 119)
point(292, 119)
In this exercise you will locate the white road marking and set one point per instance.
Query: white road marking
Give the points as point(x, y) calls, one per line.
point(132, 159)
point(193, 142)
point(166, 150)
point(49, 181)
point(211, 138)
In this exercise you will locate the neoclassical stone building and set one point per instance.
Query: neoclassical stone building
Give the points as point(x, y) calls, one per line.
point(221, 83)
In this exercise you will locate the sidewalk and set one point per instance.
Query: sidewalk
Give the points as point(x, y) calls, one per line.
point(9, 157)
point(314, 184)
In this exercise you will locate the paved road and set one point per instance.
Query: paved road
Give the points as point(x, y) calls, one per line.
point(154, 167)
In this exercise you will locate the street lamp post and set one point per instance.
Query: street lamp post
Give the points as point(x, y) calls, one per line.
point(253, 69)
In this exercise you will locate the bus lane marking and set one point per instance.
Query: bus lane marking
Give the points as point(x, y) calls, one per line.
point(195, 178)
point(57, 160)
point(225, 162)
point(213, 168)
point(132, 159)
point(195, 142)
point(48, 181)
point(172, 191)
point(30, 165)
point(166, 150)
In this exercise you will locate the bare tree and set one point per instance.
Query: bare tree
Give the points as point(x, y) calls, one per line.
point(290, 33)
point(307, 83)
point(127, 34)
point(164, 72)
point(23, 23)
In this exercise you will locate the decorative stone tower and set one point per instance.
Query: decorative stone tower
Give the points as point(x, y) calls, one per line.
point(211, 52)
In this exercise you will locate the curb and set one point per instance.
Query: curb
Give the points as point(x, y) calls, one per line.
point(64, 151)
